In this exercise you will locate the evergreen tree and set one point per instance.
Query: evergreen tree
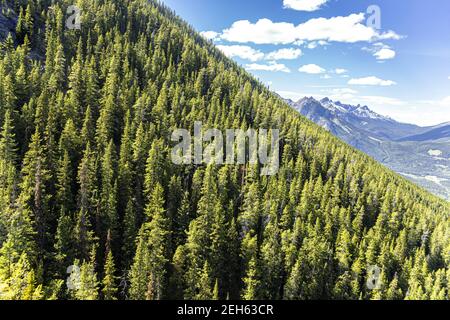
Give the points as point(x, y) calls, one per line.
point(86, 176)
point(149, 270)
point(252, 282)
point(87, 288)
point(109, 280)
point(8, 175)
point(108, 195)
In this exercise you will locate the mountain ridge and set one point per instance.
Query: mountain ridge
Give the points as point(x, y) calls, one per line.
point(406, 148)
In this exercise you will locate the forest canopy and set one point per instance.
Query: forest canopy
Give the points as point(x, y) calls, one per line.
point(92, 207)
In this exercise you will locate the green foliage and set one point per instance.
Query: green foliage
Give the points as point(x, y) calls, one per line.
point(109, 280)
point(85, 172)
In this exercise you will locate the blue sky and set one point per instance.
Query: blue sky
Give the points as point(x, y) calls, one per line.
point(335, 48)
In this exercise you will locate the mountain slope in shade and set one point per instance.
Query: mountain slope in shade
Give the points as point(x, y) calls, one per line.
point(421, 154)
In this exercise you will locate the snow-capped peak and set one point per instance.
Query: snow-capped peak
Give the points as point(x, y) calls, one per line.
point(365, 112)
point(341, 108)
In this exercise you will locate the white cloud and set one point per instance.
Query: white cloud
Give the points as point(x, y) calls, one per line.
point(381, 51)
point(253, 55)
point(343, 91)
point(272, 66)
point(262, 32)
point(304, 5)
point(210, 35)
point(448, 77)
point(315, 44)
point(348, 29)
point(428, 112)
point(243, 52)
point(380, 100)
point(340, 71)
point(385, 54)
point(371, 81)
point(312, 45)
point(295, 96)
point(325, 76)
point(444, 102)
point(389, 35)
point(311, 69)
point(284, 54)
point(341, 94)
point(339, 29)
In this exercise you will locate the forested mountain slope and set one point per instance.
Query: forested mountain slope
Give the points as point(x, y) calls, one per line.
point(86, 178)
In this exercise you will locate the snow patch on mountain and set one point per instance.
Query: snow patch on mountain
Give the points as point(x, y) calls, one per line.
point(375, 139)
point(435, 153)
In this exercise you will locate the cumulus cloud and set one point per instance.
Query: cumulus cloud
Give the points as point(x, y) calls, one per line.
point(210, 35)
point(311, 69)
point(243, 52)
point(371, 81)
point(304, 5)
point(349, 29)
point(284, 54)
point(264, 31)
point(389, 35)
point(385, 54)
point(271, 66)
point(341, 94)
point(340, 71)
point(381, 51)
point(253, 55)
point(339, 29)
point(315, 44)
point(312, 45)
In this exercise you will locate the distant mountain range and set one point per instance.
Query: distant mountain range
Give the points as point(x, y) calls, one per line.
point(421, 154)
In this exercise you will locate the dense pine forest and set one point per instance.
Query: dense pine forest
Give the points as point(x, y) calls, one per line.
point(92, 207)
